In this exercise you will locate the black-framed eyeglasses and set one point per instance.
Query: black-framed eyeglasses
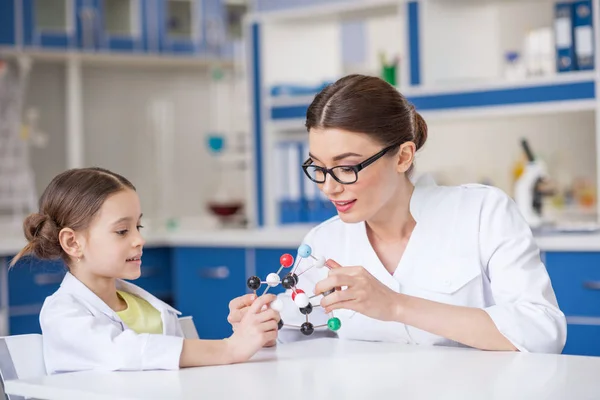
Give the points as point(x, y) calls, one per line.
point(344, 174)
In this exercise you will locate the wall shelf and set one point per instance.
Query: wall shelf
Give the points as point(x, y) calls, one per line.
point(119, 60)
point(568, 93)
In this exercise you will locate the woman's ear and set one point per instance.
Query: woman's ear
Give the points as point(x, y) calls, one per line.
point(406, 156)
point(69, 242)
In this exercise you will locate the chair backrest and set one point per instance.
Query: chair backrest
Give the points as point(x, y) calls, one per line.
point(21, 357)
point(188, 327)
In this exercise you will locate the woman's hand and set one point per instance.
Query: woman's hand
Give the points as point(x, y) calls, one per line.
point(364, 293)
point(239, 306)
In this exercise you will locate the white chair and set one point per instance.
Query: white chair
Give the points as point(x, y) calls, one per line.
point(21, 357)
point(188, 327)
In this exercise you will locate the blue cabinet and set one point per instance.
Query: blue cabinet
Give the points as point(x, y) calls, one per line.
point(180, 25)
point(192, 27)
point(205, 281)
point(113, 25)
point(156, 275)
point(576, 281)
point(583, 340)
point(125, 24)
point(47, 23)
point(575, 278)
point(30, 281)
point(8, 23)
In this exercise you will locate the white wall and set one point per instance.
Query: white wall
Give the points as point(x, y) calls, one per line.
point(471, 151)
point(118, 130)
point(465, 41)
point(46, 93)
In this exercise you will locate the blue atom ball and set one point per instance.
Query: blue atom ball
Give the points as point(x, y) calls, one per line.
point(304, 251)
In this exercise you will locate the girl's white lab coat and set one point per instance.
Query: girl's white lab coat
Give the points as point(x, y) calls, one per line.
point(80, 332)
point(470, 247)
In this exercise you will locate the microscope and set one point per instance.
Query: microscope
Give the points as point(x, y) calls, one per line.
point(531, 187)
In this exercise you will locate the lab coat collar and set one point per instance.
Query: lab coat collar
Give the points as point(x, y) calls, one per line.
point(424, 185)
point(72, 285)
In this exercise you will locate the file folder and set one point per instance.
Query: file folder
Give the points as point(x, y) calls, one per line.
point(563, 33)
point(584, 34)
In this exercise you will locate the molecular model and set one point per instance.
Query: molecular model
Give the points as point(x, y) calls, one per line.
point(298, 296)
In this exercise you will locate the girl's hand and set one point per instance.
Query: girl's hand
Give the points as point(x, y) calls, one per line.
point(239, 306)
point(364, 293)
point(255, 329)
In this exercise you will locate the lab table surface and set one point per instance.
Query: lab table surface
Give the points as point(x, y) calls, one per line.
point(337, 369)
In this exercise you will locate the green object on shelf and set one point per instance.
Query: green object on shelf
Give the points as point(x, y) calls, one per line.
point(388, 74)
point(217, 74)
point(172, 224)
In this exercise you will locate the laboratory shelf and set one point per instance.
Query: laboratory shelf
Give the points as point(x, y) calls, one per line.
point(561, 93)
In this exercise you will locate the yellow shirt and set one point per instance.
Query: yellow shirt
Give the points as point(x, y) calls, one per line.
point(139, 315)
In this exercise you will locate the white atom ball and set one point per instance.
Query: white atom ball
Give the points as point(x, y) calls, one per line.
point(277, 305)
point(320, 263)
point(301, 300)
point(273, 279)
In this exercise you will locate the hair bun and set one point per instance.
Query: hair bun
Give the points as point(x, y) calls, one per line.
point(42, 233)
point(420, 130)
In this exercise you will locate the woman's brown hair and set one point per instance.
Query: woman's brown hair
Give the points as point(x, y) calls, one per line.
point(71, 200)
point(369, 105)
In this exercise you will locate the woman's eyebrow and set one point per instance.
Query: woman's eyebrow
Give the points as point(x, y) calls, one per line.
point(338, 157)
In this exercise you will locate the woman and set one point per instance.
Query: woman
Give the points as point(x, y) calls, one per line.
point(422, 263)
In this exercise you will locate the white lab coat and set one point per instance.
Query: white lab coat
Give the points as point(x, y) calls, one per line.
point(470, 247)
point(80, 332)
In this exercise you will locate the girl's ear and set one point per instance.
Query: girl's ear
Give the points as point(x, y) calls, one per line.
point(70, 243)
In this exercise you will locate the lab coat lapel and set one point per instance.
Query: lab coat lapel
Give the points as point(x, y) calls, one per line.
point(72, 285)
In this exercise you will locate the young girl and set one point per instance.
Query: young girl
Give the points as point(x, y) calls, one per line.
point(90, 218)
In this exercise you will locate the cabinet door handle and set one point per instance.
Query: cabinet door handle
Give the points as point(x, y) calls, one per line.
point(48, 278)
point(221, 272)
point(592, 285)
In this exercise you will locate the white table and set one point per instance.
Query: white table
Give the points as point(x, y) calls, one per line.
point(335, 370)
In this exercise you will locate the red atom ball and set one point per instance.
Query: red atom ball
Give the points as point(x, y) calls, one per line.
point(297, 291)
point(286, 260)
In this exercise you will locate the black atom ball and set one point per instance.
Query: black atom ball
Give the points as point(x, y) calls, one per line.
point(280, 324)
point(307, 328)
point(288, 281)
point(306, 310)
point(253, 282)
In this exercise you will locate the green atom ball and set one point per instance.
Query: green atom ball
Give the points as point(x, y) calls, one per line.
point(334, 324)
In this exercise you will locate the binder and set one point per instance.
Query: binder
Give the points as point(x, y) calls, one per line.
point(280, 189)
point(563, 33)
point(290, 185)
point(584, 34)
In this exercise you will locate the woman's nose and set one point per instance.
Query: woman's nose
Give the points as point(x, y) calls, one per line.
point(331, 186)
